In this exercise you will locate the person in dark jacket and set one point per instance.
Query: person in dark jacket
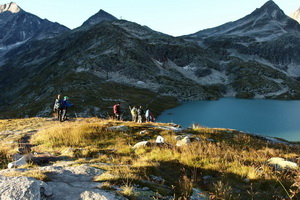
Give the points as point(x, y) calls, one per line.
point(65, 105)
point(140, 113)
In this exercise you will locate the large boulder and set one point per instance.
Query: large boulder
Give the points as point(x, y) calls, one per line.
point(23, 188)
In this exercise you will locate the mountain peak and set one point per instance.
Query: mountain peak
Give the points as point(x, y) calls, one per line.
point(271, 9)
point(99, 17)
point(296, 15)
point(11, 7)
point(271, 4)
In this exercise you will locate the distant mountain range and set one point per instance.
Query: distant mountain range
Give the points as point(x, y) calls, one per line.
point(107, 60)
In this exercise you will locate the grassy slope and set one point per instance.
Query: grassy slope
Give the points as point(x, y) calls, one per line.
point(232, 166)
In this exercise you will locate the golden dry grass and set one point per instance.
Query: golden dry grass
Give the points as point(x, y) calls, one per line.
point(234, 162)
point(34, 173)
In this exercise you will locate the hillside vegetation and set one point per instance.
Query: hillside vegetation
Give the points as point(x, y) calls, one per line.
point(219, 163)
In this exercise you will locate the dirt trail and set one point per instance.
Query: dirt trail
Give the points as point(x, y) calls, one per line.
point(24, 143)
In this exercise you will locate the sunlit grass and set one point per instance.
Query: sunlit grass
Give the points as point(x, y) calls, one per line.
point(230, 158)
point(34, 173)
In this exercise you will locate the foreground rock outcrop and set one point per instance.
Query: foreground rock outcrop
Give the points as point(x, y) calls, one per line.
point(67, 182)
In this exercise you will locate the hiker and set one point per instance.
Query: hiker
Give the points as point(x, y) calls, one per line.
point(140, 113)
point(65, 105)
point(117, 111)
point(147, 115)
point(133, 113)
point(152, 118)
point(58, 106)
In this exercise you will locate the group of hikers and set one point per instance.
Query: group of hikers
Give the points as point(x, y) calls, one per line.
point(138, 114)
point(61, 107)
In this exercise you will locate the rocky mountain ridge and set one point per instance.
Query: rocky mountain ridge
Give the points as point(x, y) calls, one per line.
point(18, 26)
point(265, 23)
point(266, 37)
point(117, 60)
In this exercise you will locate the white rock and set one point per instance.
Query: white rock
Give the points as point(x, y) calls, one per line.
point(282, 164)
point(160, 140)
point(141, 144)
point(170, 128)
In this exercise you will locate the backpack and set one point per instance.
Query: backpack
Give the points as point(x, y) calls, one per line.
point(140, 111)
point(58, 104)
point(116, 108)
point(133, 111)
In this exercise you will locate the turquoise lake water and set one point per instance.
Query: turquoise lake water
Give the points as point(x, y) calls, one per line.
point(273, 118)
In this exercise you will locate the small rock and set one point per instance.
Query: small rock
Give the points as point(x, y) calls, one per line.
point(206, 179)
point(247, 180)
point(199, 195)
point(178, 137)
point(157, 179)
point(185, 141)
point(160, 140)
point(119, 128)
point(141, 144)
point(145, 188)
point(22, 161)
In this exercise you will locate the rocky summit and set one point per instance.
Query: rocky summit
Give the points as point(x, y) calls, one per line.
point(11, 7)
point(107, 60)
point(296, 15)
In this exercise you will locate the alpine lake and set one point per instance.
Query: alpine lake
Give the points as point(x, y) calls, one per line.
point(273, 118)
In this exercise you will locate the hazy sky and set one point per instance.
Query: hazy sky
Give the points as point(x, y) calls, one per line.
point(173, 17)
